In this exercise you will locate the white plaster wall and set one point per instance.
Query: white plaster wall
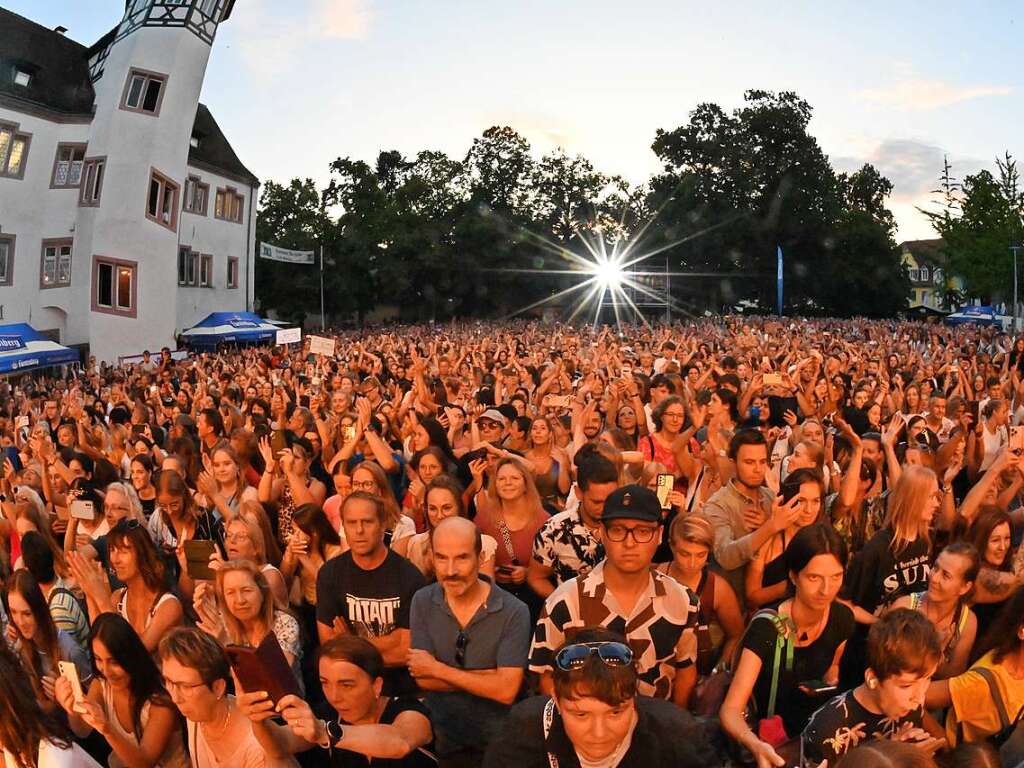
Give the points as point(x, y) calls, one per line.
point(207, 234)
point(134, 143)
point(32, 212)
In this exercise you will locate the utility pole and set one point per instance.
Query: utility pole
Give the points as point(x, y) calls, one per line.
point(323, 323)
point(1013, 250)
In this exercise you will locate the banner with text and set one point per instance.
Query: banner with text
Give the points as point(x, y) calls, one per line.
point(318, 345)
point(289, 335)
point(273, 253)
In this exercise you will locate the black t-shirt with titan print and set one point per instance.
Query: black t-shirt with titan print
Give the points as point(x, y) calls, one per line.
point(372, 603)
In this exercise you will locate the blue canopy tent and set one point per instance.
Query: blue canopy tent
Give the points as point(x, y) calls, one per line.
point(23, 348)
point(230, 328)
point(979, 315)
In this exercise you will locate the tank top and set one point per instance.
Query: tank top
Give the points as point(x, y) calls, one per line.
point(956, 626)
point(655, 451)
point(174, 753)
point(122, 607)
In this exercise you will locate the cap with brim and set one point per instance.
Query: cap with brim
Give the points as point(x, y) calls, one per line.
point(492, 414)
point(632, 502)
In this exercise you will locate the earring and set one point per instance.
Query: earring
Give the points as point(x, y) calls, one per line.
point(872, 683)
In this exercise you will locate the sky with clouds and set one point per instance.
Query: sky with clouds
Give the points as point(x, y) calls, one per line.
point(296, 84)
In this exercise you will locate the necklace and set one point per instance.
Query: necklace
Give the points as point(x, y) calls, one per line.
point(209, 731)
point(804, 635)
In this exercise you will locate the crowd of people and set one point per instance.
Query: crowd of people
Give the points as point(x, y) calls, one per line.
point(730, 541)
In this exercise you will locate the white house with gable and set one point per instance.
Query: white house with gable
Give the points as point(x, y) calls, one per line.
point(125, 215)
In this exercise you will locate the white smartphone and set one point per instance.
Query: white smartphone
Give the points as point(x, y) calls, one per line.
point(70, 671)
point(83, 510)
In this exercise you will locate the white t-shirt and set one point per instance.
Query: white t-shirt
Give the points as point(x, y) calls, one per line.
point(52, 756)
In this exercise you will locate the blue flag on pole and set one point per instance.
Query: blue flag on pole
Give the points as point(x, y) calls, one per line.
point(778, 280)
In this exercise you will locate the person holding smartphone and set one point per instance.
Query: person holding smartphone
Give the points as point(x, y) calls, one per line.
point(127, 683)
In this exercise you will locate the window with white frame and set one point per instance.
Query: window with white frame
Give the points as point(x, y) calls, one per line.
point(197, 195)
point(232, 281)
point(924, 275)
point(114, 286)
point(67, 166)
point(6, 259)
point(92, 180)
point(162, 201)
point(144, 92)
point(206, 270)
point(184, 256)
point(55, 270)
point(22, 78)
point(13, 151)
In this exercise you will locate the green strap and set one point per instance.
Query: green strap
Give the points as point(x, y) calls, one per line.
point(784, 639)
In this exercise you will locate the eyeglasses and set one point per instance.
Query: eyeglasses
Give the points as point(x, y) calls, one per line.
point(460, 648)
point(365, 485)
point(186, 688)
point(575, 656)
point(641, 535)
point(673, 415)
point(126, 525)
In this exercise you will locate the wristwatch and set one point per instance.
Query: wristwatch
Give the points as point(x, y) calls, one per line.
point(334, 731)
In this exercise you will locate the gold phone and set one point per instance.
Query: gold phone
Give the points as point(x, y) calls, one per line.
point(665, 485)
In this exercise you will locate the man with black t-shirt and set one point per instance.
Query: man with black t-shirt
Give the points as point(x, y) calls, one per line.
point(368, 590)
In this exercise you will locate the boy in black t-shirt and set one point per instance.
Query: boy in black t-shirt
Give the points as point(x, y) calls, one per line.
point(368, 590)
point(903, 653)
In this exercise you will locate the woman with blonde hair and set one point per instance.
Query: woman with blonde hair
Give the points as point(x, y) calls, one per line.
point(550, 464)
point(237, 608)
point(895, 561)
point(222, 484)
point(248, 537)
point(512, 516)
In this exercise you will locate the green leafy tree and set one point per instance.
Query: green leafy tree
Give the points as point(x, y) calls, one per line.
point(291, 216)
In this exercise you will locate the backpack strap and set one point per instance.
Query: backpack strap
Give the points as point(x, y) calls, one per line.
point(784, 640)
point(1004, 719)
point(549, 718)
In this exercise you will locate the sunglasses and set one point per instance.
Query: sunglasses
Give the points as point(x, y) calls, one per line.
point(460, 649)
point(575, 656)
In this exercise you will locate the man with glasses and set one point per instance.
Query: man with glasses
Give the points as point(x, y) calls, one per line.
point(491, 424)
point(470, 642)
point(655, 614)
point(595, 717)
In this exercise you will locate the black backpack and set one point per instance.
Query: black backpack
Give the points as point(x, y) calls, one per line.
point(1009, 739)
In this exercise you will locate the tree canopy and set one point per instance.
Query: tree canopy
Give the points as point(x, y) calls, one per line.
point(488, 234)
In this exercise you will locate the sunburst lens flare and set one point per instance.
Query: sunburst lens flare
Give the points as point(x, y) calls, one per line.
point(609, 275)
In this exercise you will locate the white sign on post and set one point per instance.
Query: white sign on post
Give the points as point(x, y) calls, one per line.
point(289, 335)
point(318, 345)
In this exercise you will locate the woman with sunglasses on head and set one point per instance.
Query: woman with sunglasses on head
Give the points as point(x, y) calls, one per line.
point(34, 636)
point(789, 655)
point(126, 704)
point(145, 601)
point(31, 736)
point(595, 717)
point(196, 675)
point(370, 729)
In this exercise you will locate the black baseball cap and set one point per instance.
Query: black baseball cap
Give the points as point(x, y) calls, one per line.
point(632, 502)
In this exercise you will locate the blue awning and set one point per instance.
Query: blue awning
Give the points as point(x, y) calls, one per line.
point(23, 348)
point(230, 328)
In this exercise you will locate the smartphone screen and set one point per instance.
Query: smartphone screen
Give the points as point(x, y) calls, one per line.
point(665, 484)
